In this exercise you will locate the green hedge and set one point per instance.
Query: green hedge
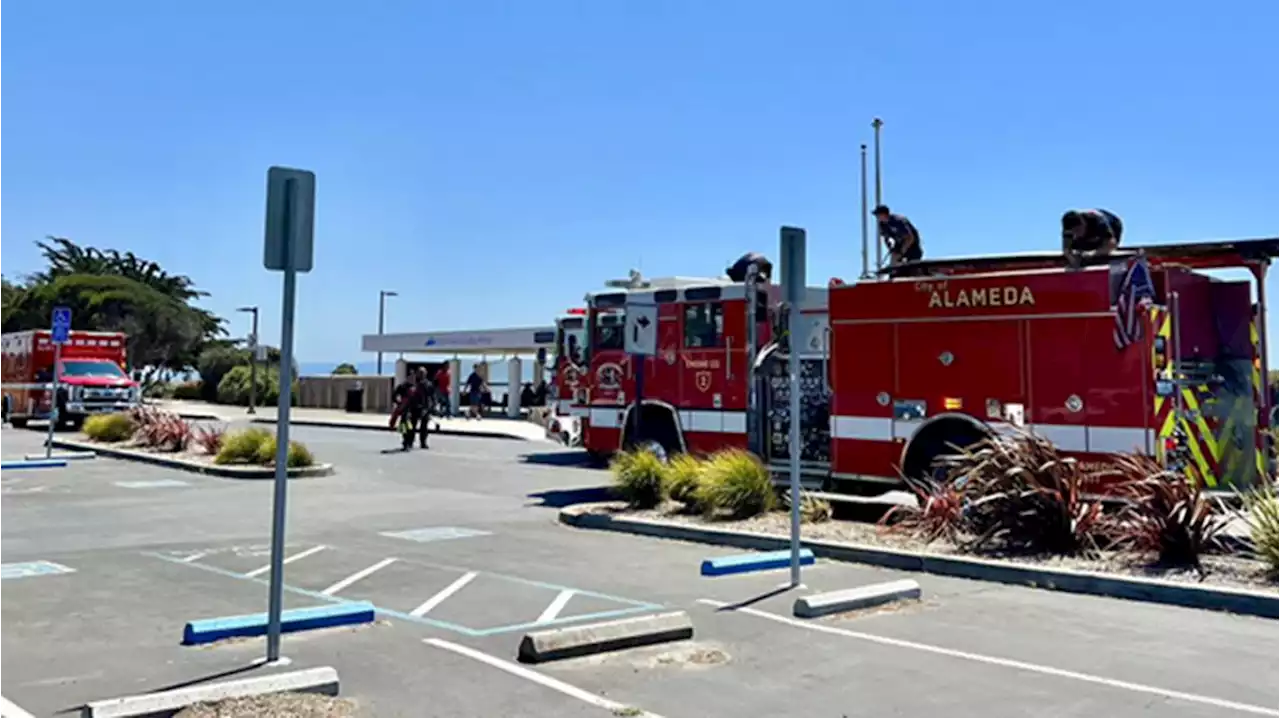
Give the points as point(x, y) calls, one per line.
point(234, 387)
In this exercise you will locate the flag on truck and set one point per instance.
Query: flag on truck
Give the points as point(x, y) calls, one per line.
point(1132, 300)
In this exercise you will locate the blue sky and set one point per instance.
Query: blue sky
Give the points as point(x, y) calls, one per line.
point(493, 161)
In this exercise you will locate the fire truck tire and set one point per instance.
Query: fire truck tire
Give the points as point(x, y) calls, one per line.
point(935, 439)
point(598, 458)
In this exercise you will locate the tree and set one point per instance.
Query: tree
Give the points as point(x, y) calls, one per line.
point(344, 369)
point(111, 291)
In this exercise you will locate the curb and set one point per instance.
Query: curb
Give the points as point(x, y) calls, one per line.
point(327, 424)
point(312, 680)
point(229, 472)
point(209, 630)
point(558, 643)
point(855, 599)
point(1232, 600)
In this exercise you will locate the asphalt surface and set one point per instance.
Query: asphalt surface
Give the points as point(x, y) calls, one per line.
point(459, 545)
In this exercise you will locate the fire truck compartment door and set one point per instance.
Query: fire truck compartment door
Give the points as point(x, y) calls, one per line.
point(958, 366)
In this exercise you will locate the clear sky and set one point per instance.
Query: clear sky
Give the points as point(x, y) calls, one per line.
point(493, 161)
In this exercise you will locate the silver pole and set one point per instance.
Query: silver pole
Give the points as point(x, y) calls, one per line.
point(382, 315)
point(866, 257)
point(876, 124)
point(54, 418)
point(275, 599)
point(253, 363)
point(793, 290)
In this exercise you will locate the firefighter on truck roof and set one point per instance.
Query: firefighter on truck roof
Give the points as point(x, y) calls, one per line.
point(900, 235)
point(1089, 232)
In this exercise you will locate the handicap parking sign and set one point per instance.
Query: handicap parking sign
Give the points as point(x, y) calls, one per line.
point(30, 569)
point(61, 325)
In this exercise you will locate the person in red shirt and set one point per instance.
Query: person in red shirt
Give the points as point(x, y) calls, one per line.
point(442, 390)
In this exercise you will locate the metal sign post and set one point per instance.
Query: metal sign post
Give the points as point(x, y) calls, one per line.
point(60, 332)
point(793, 290)
point(640, 340)
point(291, 196)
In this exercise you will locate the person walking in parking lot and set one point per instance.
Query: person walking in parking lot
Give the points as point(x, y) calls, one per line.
point(475, 393)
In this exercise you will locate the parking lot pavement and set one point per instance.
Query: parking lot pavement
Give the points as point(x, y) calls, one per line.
point(461, 548)
point(467, 601)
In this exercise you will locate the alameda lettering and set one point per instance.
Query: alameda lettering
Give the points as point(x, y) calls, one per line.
point(982, 297)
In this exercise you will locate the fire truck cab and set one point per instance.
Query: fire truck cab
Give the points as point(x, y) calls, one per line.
point(563, 422)
point(1139, 351)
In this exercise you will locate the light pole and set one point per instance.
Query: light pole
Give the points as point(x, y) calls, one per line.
point(382, 316)
point(253, 357)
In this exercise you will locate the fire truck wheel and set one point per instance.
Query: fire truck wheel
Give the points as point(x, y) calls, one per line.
point(653, 447)
point(598, 458)
point(939, 438)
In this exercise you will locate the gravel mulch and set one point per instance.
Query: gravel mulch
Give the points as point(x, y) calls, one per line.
point(1230, 571)
point(276, 705)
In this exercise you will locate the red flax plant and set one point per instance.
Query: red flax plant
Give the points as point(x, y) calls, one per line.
point(1166, 513)
point(937, 514)
point(1021, 493)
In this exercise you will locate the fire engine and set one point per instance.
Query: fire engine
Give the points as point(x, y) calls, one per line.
point(563, 424)
point(899, 368)
point(91, 375)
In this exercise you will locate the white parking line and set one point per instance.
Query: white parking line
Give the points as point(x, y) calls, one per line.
point(557, 605)
point(195, 556)
point(543, 680)
point(439, 598)
point(9, 710)
point(357, 576)
point(1005, 662)
point(288, 559)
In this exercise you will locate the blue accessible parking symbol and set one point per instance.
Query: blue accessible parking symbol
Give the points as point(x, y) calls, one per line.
point(31, 569)
point(61, 325)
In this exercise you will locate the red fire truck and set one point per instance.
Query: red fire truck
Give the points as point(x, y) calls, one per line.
point(897, 369)
point(91, 373)
point(564, 399)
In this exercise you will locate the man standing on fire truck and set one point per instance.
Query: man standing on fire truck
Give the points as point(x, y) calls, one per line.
point(901, 236)
point(1089, 232)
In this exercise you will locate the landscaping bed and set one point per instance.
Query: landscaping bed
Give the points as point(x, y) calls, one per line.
point(165, 438)
point(1011, 500)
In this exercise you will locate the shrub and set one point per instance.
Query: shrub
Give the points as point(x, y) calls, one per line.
point(1021, 492)
point(813, 510)
point(683, 474)
point(937, 514)
point(234, 387)
point(1165, 514)
point(109, 427)
point(638, 478)
point(209, 438)
point(216, 362)
point(735, 482)
point(160, 430)
point(299, 454)
point(241, 447)
point(1262, 513)
point(188, 391)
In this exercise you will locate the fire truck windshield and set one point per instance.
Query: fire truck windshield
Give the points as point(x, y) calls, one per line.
point(90, 368)
point(609, 332)
point(569, 339)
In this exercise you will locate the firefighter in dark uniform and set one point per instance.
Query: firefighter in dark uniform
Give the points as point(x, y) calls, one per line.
point(1089, 233)
point(900, 236)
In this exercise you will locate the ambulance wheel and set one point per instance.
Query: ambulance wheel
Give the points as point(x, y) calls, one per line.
point(18, 423)
point(598, 458)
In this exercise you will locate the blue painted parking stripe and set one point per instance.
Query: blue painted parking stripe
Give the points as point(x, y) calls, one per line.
point(209, 630)
point(30, 569)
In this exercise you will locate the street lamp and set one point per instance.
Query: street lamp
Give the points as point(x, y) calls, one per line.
point(253, 356)
point(382, 316)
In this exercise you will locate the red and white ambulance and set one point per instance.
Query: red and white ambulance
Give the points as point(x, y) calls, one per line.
point(91, 374)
